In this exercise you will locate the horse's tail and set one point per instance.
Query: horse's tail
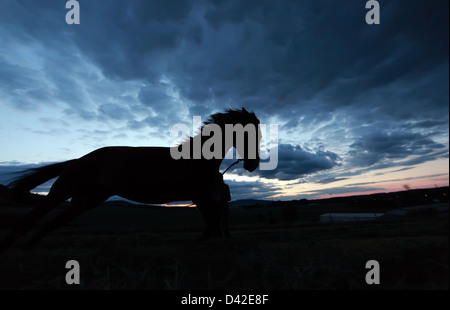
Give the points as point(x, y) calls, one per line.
point(36, 176)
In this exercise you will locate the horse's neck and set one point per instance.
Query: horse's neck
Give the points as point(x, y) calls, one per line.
point(214, 162)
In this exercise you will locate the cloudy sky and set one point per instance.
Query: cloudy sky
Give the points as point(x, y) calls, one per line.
point(360, 108)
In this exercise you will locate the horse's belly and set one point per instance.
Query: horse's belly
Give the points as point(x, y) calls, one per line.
point(155, 198)
point(157, 194)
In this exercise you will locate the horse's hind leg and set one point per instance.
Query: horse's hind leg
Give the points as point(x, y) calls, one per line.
point(26, 223)
point(77, 206)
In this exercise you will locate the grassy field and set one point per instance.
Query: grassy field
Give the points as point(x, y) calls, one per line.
point(149, 248)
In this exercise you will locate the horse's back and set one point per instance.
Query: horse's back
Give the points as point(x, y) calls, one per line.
point(144, 174)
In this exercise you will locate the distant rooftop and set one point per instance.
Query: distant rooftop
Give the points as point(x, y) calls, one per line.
point(349, 217)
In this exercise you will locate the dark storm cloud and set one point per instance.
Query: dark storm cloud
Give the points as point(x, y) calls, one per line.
point(377, 147)
point(275, 57)
point(294, 163)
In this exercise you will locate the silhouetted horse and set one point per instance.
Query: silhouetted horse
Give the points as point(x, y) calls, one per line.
point(141, 174)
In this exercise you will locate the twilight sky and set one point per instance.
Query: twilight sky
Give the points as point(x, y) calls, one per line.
point(360, 108)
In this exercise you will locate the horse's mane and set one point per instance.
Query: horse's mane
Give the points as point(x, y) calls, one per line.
point(229, 116)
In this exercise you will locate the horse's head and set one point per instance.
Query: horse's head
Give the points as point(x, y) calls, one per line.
point(240, 129)
point(247, 139)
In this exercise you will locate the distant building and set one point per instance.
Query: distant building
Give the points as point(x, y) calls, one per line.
point(348, 217)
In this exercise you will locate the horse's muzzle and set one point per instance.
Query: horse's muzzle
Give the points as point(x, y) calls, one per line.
point(251, 164)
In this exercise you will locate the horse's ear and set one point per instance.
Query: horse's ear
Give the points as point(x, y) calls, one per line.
point(244, 110)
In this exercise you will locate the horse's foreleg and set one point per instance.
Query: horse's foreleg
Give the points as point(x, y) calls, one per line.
point(211, 216)
point(215, 225)
point(222, 205)
point(224, 214)
point(204, 212)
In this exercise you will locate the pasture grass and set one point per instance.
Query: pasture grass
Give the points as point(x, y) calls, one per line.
point(412, 252)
